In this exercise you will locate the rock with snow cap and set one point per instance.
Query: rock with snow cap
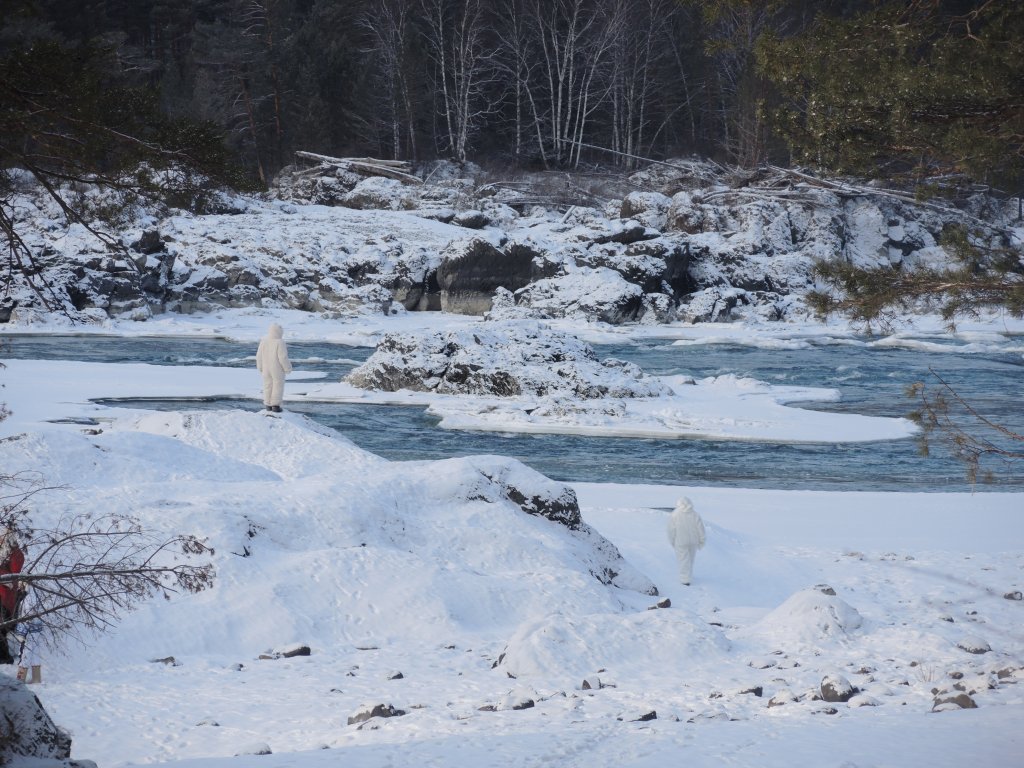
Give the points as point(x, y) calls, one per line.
point(836, 688)
point(369, 711)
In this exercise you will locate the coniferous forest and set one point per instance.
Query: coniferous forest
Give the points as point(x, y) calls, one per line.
point(925, 87)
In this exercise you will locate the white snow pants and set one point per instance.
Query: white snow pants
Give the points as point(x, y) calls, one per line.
point(273, 388)
point(685, 557)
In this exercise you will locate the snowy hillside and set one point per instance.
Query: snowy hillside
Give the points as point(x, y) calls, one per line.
point(489, 618)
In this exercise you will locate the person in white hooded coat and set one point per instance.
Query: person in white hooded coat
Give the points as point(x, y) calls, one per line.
point(686, 534)
point(272, 361)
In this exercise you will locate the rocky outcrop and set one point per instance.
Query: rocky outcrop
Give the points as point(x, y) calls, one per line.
point(648, 257)
point(470, 272)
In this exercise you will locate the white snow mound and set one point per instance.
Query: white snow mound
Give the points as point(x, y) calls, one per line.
point(319, 542)
point(564, 650)
point(809, 616)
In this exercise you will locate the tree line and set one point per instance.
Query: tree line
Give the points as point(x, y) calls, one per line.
point(847, 84)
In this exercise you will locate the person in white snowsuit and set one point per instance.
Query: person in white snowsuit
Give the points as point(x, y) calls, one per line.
point(686, 534)
point(272, 361)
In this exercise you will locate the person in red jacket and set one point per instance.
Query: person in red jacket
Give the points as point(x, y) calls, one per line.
point(11, 561)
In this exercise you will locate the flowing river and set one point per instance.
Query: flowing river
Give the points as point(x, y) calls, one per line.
point(871, 376)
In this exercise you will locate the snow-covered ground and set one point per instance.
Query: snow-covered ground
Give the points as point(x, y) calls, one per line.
point(431, 569)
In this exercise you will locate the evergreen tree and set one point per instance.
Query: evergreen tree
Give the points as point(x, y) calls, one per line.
point(919, 87)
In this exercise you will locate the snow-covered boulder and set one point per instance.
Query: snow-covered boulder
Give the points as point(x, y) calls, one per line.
point(648, 208)
point(369, 711)
point(687, 215)
point(651, 264)
point(379, 193)
point(505, 359)
point(28, 732)
point(598, 294)
point(471, 219)
point(836, 688)
point(712, 305)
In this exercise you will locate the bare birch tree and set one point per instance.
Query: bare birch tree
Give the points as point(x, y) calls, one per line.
point(463, 64)
point(641, 46)
point(575, 41)
point(517, 58)
point(388, 25)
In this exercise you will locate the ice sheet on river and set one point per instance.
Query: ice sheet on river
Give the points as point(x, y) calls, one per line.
point(722, 407)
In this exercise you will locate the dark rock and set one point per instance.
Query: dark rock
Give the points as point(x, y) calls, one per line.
point(646, 717)
point(836, 688)
point(558, 504)
point(259, 748)
point(825, 589)
point(150, 242)
point(302, 650)
point(471, 219)
point(631, 232)
point(168, 660)
point(974, 645)
point(472, 271)
point(666, 603)
point(592, 684)
point(1015, 595)
point(960, 701)
point(757, 690)
point(524, 704)
point(396, 676)
point(378, 710)
point(28, 731)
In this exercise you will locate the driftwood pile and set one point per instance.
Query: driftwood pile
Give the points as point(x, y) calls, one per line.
point(367, 166)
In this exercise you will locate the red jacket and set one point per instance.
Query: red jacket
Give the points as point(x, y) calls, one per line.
point(9, 590)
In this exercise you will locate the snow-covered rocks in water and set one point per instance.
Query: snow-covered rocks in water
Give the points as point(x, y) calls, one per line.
point(502, 359)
